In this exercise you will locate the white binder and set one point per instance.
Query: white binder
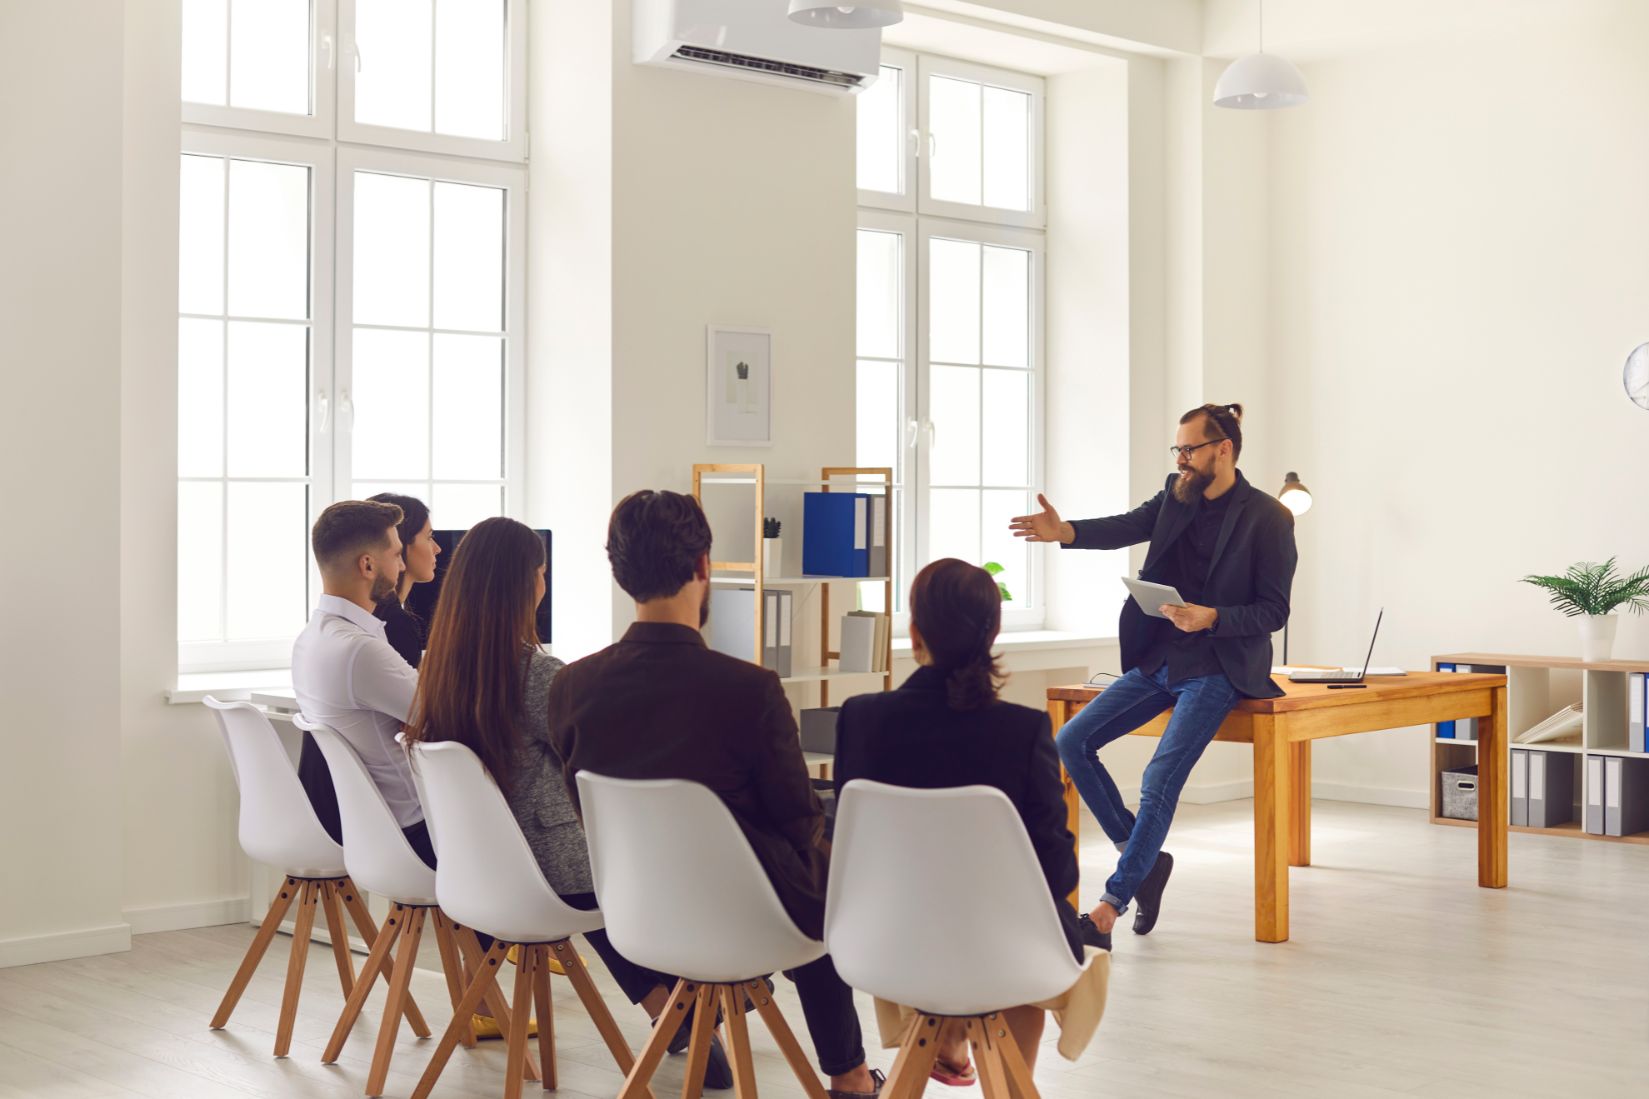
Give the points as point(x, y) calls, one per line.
point(1594, 795)
point(1520, 787)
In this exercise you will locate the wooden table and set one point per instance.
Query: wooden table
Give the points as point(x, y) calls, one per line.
point(1281, 731)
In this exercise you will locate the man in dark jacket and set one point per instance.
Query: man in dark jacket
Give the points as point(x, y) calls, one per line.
point(1228, 549)
point(661, 704)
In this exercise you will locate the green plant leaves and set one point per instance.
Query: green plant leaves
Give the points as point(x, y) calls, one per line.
point(1591, 588)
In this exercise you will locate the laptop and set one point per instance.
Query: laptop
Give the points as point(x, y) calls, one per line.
point(1338, 675)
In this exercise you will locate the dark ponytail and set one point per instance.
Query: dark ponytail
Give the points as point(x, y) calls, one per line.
point(1224, 422)
point(957, 609)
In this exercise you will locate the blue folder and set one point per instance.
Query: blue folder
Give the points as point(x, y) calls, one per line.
point(1445, 729)
point(836, 534)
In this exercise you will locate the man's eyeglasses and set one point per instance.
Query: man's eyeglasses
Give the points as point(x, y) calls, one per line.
point(1187, 451)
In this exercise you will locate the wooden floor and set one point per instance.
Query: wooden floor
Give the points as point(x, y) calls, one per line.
point(1403, 978)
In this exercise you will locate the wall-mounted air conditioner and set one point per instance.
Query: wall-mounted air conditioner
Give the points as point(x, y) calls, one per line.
point(754, 40)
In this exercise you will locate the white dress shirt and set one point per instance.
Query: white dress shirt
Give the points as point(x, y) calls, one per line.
point(347, 676)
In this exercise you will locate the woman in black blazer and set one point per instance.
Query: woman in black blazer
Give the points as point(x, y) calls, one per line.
point(945, 727)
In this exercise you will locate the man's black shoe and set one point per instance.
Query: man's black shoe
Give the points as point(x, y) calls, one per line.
point(1148, 900)
point(717, 1072)
point(1091, 934)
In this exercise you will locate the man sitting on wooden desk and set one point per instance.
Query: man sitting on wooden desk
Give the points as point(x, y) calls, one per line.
point(1229, 550)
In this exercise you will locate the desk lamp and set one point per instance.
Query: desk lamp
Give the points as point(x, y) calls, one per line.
point(1297, 499)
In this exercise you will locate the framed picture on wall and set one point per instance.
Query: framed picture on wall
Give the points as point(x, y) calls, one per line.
point(738, 385)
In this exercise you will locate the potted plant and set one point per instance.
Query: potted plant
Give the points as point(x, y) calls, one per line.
point(997, 570)
point(772, 546)
point(1592, 593)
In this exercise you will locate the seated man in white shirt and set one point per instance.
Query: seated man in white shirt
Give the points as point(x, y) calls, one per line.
point(344, 672)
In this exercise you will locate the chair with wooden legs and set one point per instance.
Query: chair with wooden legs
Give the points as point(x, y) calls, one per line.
point(279, 827)
point(998, 947)
point(378, 856)
point(487, 878)
point(683, 893)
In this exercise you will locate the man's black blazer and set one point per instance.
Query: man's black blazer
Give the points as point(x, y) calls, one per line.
point(1248, 580)
point(911, 737)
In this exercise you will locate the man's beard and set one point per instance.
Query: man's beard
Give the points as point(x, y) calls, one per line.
point(704, 608)
point(382, 587)
point(1190, 485)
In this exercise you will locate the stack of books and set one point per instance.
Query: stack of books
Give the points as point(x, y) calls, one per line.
point(865, 637)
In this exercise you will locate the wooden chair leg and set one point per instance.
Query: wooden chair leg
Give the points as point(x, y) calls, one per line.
point(520, 1013)
point(453, 968)
point(774, 1018)
point(486, 977)
point(917, 1052)
point(738, 1042)
point(332, 907)
point(698, 1048)
point(1019, 1073)
point(495, 1003)
point(412, 932)
point(368, 927)
point(641, 1073)
point(579, 976)
point(987, 1056)
point(546, 1018)
point(255, 952)
point(294, 968)
point(381, 949)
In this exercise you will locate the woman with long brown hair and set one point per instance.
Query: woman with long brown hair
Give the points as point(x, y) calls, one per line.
point(485, 683)
point(945, 727)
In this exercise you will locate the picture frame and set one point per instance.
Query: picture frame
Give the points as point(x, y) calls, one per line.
point(738, 386)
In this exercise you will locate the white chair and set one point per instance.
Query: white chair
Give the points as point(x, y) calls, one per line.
point(278, 826)
point(684, 893)
point(381, 861)
point(487, 878)
point(999, 944)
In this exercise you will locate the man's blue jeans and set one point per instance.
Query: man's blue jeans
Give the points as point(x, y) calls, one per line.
point(1199, 704)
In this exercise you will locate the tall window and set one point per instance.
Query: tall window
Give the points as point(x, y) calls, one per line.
point(950, 323)
point(350, 306)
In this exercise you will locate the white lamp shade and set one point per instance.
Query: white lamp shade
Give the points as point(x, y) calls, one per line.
point(1297, 500)
point(846, 14)
point(1258, 82)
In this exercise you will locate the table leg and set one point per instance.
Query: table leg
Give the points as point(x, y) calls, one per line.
point(1059, 712)
point(1492, 794)
point(1299, 829)
point(1271, 823)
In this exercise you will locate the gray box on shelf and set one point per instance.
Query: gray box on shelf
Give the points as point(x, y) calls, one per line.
point(1625, 796)
point(818, 729)
point(858, 643)
point(1594, 795)
point(1551, 788)
point(776, 624)
point(1460, 792)
point(878, 536)
point(1520, 788)
point(1635, 703)
point(733, 625)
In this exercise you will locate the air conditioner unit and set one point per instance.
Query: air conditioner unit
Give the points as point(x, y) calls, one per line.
point(755, 40)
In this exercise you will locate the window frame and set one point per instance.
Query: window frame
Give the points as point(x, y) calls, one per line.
point(513, 181)
point(513, 148)
point(903, 200)
point(245, 654)
point(1034, 86)
point(904, 474)
point(323, 86)
point(1032, 612)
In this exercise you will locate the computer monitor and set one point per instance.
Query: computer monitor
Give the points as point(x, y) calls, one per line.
point(421, 599)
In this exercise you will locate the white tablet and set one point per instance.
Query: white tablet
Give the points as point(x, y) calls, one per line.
point(1150, 596)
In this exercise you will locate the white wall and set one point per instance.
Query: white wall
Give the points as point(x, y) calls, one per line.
point(1456, 277)
point(60, 316)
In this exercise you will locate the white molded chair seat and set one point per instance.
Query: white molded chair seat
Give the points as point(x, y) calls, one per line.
point(685, 894)
point(894, 864)
point(997, 944)
point(379, 858)
point(672, 838)
point(278, 826)
point(487, 877)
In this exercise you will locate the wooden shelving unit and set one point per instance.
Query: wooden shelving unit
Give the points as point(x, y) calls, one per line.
point(753, 477)
point(1536, 688)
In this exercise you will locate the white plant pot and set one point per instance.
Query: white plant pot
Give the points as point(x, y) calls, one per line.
point(772, 556)
point(1597, 636)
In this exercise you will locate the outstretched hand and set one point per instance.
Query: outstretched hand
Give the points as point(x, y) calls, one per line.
point(1044, 526)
